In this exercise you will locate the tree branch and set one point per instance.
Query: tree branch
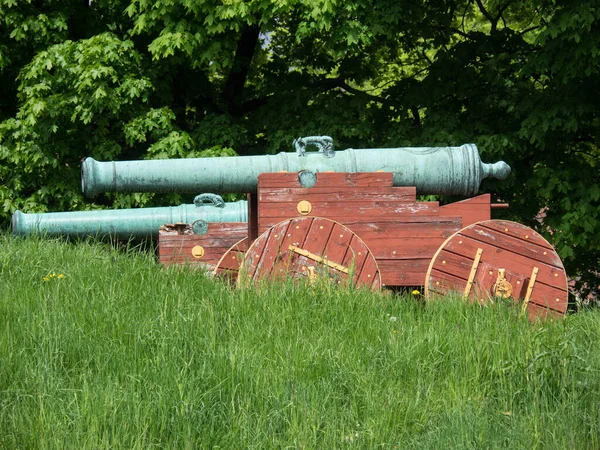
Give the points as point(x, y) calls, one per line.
point(339, 82)
point(234, 86)
point(527, 30)
point(416, 116)
point(485, 12)
point(502, 9)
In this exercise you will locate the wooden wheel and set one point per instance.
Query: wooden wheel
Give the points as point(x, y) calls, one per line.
point(229, 265)
point(499, 258)
point(311, 248)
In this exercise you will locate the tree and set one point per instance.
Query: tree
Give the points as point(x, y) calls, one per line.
point(174, 78)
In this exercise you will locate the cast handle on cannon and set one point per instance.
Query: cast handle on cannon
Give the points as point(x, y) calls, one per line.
point(324, 145)
point(214, 199)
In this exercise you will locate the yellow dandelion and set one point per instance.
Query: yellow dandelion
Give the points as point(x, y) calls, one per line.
point(60, 275)
point(416, 292)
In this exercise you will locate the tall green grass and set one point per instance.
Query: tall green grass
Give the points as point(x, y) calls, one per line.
point(121, 353)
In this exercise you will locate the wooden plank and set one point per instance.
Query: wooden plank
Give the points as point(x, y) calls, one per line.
point(393, 247)
point(318, 258)
point(252, 231)
point(471, 210)
point(455, 264)
point(380, 225)
point(472, 272)
point(531, 236)
point(368, 272)
point(338, 243)
point(235, 255)
point(377, 281)
point(253, 255)
point(515, 248)
point(272, 250)
point(403, 272)
point(539, 312)
point(227, 268)
point(214, 228)
point(326, 179)
point(297, 233)
point(207, 241)
point(422, 226)
point(339, 211)
point(318, 236)
point(339, 194)
point(355, 260)
point(442, 283)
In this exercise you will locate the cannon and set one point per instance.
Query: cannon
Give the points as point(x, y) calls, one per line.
point(131, 223)
point(432, 170)
point(352, 217)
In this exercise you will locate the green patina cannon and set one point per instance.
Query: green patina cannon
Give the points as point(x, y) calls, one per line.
point(130, 223)
point(432, 170)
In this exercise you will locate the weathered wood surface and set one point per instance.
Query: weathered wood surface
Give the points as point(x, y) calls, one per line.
point(336, 179)
point(402, 234)
point(175, 243)
point(228, 266)
point(310, 248)
point(504, 245)
point(471, 210)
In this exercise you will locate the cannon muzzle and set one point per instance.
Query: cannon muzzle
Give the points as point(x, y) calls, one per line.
point(126, 223)
point(433, 170)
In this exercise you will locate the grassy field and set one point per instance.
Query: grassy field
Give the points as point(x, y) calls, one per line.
point(102, 348)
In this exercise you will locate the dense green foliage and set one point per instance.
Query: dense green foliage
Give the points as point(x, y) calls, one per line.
point(169, 78)
point(104, 350)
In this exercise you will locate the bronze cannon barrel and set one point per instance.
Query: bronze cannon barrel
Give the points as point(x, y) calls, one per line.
point(433, 170)
point(125, 223)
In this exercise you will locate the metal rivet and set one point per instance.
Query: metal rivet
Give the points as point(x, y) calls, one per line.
point(526, 236)
point(545, 253)
point(297, 227)
point(506, 229)
point(460, 242)
point(289, 235)
point(359, 253)
point(321, 227)
point(256, 256)
point(369, 276)
point(443, 262)
point(558, 299)
point(518, 282)
point(198, 251)
point(233, 257)
point(341, 235)
point(491, 272)
point(555, 274)
point(437, 283)
point(276, 235)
